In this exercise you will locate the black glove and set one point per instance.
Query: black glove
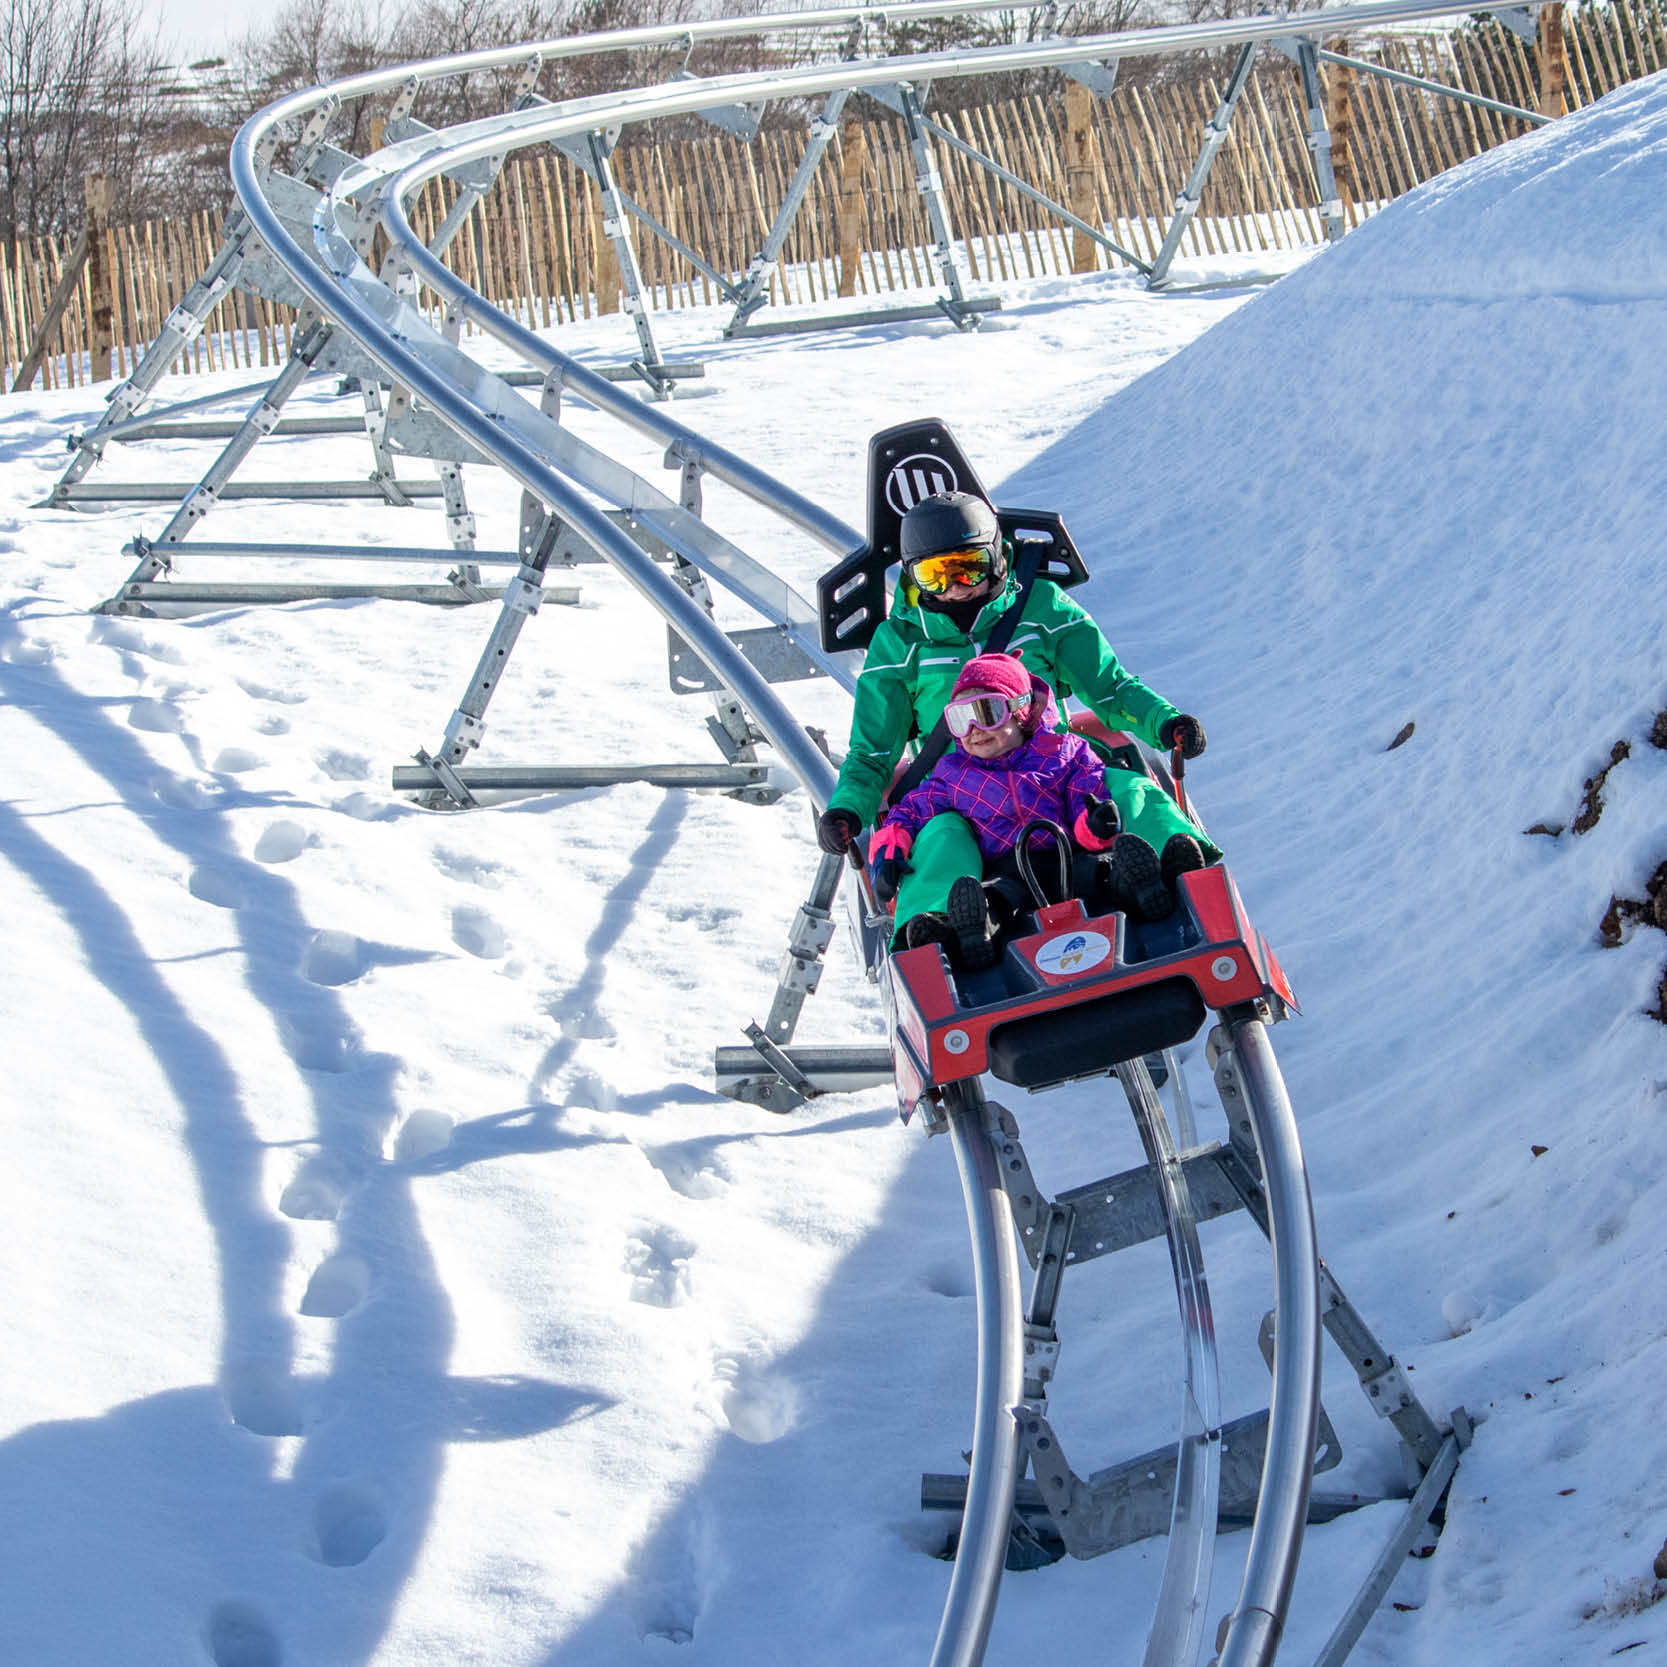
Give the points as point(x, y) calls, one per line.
point(1102, 817)
point(888, 876)
point(1187, 730)
point(836, 830)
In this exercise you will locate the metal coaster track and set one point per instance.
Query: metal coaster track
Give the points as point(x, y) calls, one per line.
point(579, 485)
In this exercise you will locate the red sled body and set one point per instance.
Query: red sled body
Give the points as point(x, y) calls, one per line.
point(1074, 994)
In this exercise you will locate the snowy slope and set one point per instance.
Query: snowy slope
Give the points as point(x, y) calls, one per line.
point(386, 1284)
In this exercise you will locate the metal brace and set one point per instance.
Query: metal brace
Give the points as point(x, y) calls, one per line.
point(781, 1064)
point(466, 579)
point(448, 779)
point(1030, 1208)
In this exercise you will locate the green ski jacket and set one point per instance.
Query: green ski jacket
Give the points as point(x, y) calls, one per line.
point(916, 655)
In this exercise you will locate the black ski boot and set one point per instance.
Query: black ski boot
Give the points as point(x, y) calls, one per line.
point(923, 929)
point(1181, 855)
point(1137, 879)
point(970, 920)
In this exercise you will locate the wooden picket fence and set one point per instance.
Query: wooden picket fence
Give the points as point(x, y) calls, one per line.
point(535, 243)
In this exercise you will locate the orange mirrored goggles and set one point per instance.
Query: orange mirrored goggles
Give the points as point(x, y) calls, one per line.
point(936, 574)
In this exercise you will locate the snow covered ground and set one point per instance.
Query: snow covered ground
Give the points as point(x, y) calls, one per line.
point(386, 1284)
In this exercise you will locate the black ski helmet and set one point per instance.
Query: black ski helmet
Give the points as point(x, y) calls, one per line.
point(948, 521)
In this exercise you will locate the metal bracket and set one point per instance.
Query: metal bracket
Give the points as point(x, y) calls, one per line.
point(1030, 1208)
point(1100, 79)
point(448, 781)
point(741, 120)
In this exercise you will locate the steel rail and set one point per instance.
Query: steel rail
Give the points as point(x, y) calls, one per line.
point(690, 97)
point(402, 169)
point(1181, 1613)
point(995, 1464)
point(1258, 1619)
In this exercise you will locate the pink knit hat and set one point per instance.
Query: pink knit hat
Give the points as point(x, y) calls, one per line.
point(994, 674)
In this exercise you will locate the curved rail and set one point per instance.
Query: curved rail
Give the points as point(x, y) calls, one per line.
point(1293, 1412)
point(995, 1464)
point(1179, 1619)
point(569, 477)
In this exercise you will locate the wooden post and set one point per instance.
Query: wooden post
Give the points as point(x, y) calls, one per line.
point(1554, 62)
point(46, 332)
point(607, 262)
point(1079, 171)
point(853, 206)
point(1339, 102)
point(96, 189)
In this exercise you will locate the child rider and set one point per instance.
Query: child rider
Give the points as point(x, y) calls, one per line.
point(1007, 768)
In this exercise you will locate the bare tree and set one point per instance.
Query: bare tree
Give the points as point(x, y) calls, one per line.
point(78, 92)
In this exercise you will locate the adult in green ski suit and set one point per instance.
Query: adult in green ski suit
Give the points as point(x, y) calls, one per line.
point(913, 659)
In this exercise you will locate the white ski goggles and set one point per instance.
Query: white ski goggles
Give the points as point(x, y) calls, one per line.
point(984, 711)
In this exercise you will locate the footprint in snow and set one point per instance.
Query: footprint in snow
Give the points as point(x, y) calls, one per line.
point(687, 1167)
point(338, 1285)
point(350, 1521)
point(28, 651)
point(237, 1635)
point(266, 691)
point(366, 807)
point(262, 1397)
point(475, 931)
point(657, 1260)
point(333, 959)
point(760, 1406)
point(128, 637)
point(664, 1586)
point(589, 1026)
point(156, 717)
point(464, 865)
point(219, 886)
point(181, 793)
point(282, 842)
point(421, 1135)
point(236, 761)
point(316, 1046)
point(344, 766)
point(589, 1092)
point(315, 1193)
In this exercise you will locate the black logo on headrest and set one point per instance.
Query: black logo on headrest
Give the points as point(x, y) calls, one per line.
point(924, 475)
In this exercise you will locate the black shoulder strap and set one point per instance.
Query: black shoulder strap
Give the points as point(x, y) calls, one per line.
point(936, 742)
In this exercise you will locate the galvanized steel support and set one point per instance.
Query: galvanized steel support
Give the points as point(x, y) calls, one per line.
point(754, 287)
point(1186, 205)
point(1319, 139)
point(261, 420)
point(1007, 177)
point(179, 330)
point(929, 183)
point(577, 151)
point(630, 273)
point(1402, 79)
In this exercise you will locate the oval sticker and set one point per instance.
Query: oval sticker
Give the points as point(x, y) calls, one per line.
point(1073, 953)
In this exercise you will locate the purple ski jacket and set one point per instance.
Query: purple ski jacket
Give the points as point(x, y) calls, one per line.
point(1051, 775)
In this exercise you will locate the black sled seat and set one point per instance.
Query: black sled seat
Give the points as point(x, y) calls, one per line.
point(1078, 994)
point(912, 461)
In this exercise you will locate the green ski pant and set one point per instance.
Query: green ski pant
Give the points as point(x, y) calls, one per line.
point(945, 847)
